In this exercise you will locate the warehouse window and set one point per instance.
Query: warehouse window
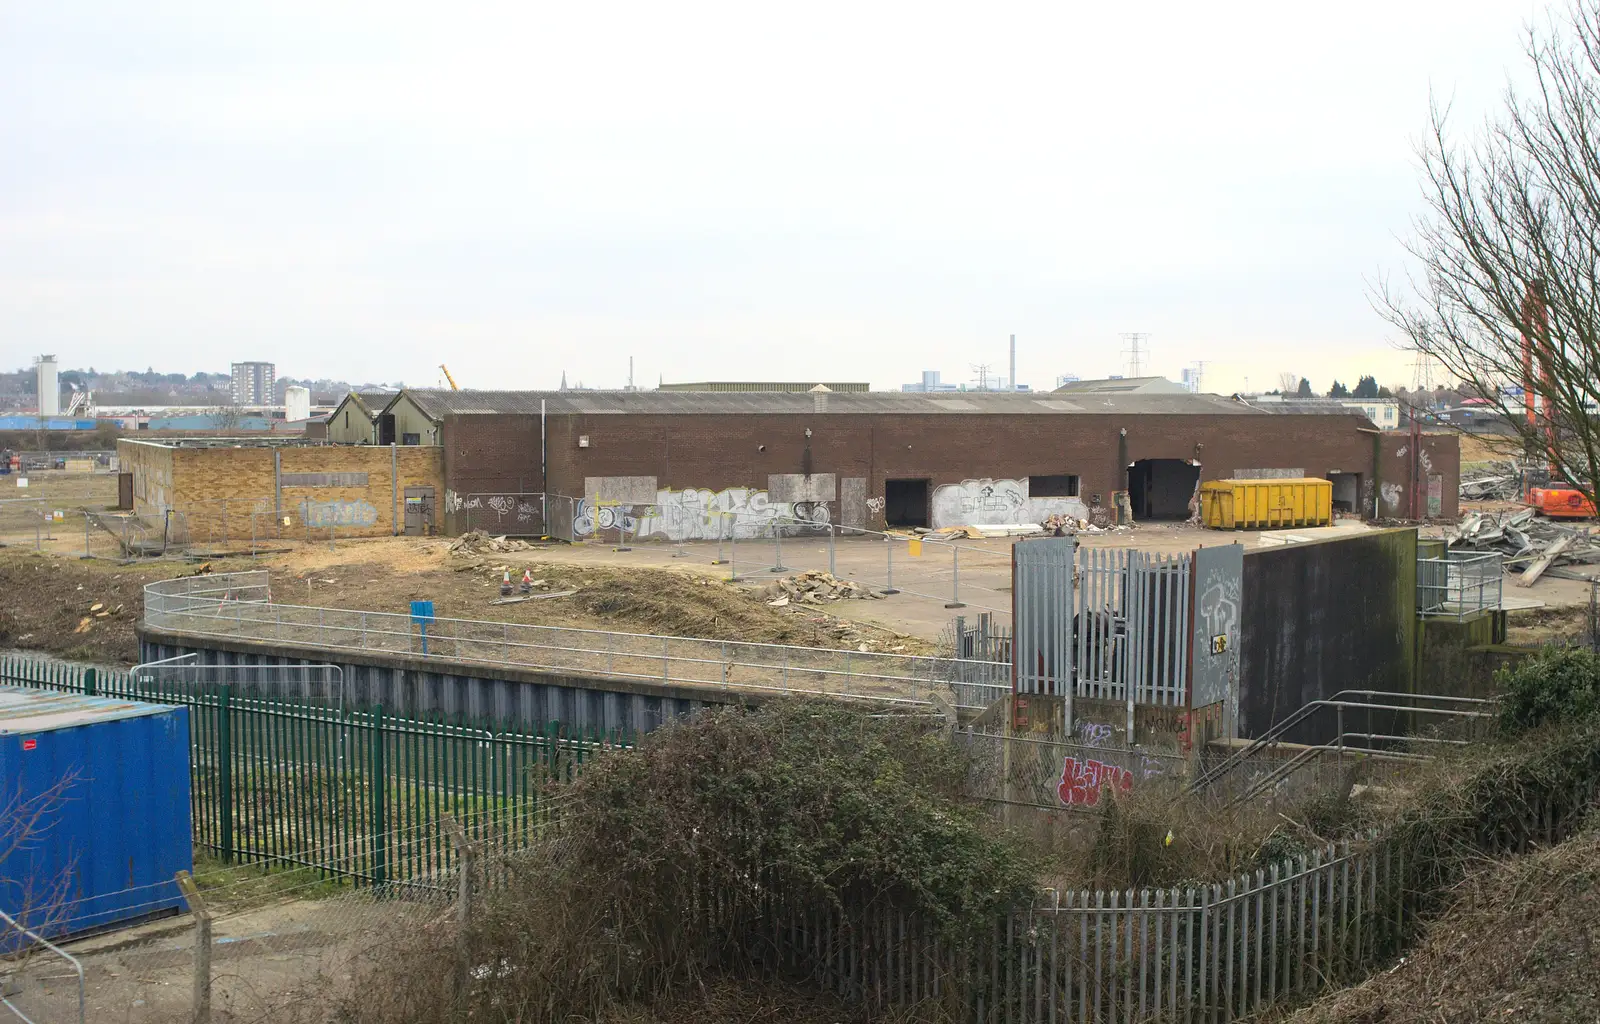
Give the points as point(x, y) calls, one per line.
point(410, 438)
point(1063, 485)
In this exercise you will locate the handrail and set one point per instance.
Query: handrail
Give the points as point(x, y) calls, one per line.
point(52, 947)
point(1286, 768)
point(1272, 735)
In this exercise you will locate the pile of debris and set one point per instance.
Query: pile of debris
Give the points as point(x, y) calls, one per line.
point(477, 541)
point(1503, 482)
point(1538, 546)
point(1065, 526)
point(817, 587)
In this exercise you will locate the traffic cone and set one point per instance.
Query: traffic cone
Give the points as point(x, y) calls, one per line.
point(527, 581)
point(505, 584)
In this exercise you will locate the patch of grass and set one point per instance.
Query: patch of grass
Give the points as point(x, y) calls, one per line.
point(235, 886)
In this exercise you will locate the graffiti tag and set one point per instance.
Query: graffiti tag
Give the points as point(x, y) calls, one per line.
point(1094, 734)
point(1083, 781)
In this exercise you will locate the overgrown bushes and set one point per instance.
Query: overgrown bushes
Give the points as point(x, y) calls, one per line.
point(686, 856)
point(1558, 686)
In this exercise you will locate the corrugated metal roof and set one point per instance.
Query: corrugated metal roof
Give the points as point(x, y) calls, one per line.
point(29, 711)
point(438, 403)
point(1124, 385)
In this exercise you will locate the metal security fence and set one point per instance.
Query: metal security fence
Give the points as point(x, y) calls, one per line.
point(1204, 953)
point(1132, 635)
point(1460, 585)
point(238, 606)
point(355, 793)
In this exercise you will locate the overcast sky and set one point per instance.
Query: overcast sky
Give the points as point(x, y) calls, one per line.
point(838, 191)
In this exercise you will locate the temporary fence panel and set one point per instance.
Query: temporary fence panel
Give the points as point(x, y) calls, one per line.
point(515, 514)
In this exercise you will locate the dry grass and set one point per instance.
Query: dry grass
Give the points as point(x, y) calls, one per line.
point(1520, 942)
point(1126, 845)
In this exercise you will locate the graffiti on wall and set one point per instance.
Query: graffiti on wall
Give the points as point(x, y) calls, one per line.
point(989, 502)
point(698, 514)
point(1391, 496)
point(338, 513)
point(1083, 781)
point(505, 508)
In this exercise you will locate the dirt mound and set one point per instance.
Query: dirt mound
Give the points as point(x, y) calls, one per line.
point(51, 605)
point(1521, 942)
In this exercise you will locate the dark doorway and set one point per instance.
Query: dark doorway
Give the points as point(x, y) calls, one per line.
point(1161, 488)
point(386, 428)
point(419, 511)
point(1346, 491)
point(905, 502)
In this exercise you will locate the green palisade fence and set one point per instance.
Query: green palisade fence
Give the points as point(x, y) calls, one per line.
point(356, 794)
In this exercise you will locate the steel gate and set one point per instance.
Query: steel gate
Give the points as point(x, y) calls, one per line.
point(1108, 624)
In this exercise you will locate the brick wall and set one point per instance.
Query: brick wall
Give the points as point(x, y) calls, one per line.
point(231, 491)
point(495, 453)
point(1431, 471)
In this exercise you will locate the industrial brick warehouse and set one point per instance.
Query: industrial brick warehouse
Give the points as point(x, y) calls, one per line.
point(662, 464)
point(243, 487)
point(886, 459)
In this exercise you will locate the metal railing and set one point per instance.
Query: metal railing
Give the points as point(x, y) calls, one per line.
point(44, 943)
point(1262, 750)
point(239, 606)
point(1460, 585)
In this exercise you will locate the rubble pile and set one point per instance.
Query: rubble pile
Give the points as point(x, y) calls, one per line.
point(1064, 525)
point(477, 541)
point(1527, 543)
point(817, 587)
point(1502, 483)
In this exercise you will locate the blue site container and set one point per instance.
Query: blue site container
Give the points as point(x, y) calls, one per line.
point(107, 844)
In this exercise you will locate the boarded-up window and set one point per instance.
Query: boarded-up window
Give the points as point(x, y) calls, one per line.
point(1064, 485)
point(324, 479)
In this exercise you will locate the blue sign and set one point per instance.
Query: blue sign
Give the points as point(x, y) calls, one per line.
point(422, 615)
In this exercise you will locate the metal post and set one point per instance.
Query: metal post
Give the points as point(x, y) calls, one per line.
point(888, 543)
point(468, 854)
point(86, 535)
point(722, 518)
point(777, 547)
point(832, 566)
point(955, 580)
point(733, 547)
point(202, 948)
point(224, 522)
point(622, 531)
point(225, 771)
point(380, 834)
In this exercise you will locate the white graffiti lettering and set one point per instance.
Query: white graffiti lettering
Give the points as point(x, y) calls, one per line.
point(695, 514)
point(993, 502)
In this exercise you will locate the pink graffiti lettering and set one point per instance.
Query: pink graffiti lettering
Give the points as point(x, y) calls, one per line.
point(1082, 782)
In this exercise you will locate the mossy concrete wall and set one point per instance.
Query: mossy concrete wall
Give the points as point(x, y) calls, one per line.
point(1322, 617)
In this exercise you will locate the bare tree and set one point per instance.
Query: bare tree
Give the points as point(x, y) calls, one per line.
point(1287, 382)
point(38, 892)
point(1508, 296)
point(226, 417)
